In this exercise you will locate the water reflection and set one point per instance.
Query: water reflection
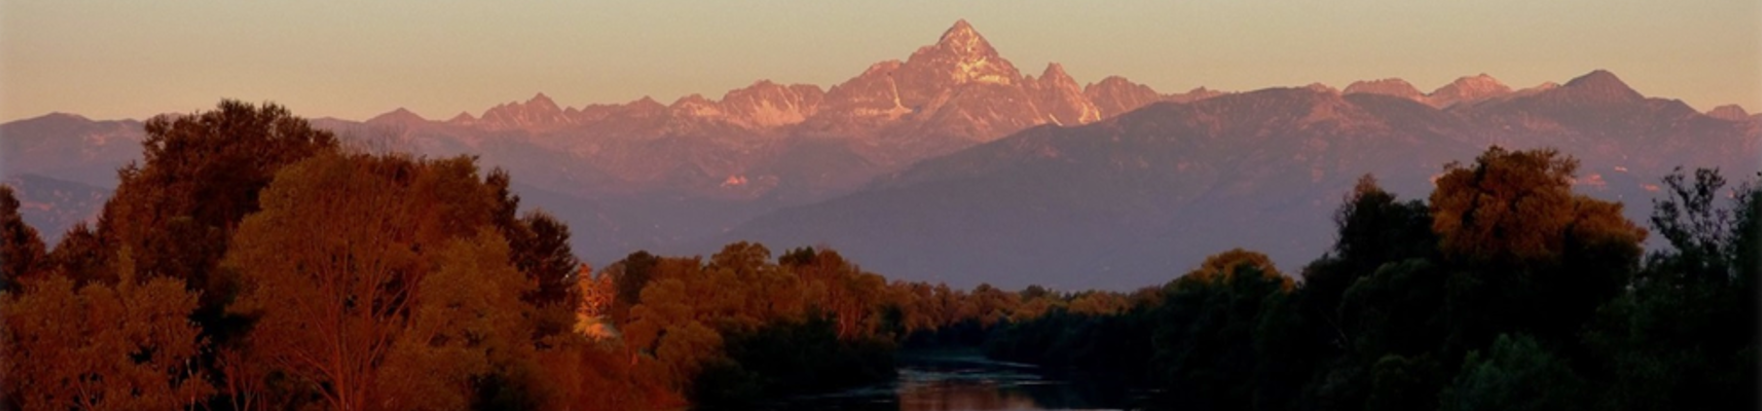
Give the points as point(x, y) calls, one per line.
point(969, 383)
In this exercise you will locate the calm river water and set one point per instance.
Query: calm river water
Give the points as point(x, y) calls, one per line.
point(967, 381)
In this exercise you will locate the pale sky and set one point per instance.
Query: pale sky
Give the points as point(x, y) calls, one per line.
point(356, 59)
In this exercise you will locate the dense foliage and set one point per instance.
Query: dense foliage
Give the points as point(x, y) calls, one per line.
point(1506, 291)
point(253, 263)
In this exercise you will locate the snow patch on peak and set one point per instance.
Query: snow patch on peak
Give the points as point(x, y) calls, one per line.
point(980, 70)
point(961, 33)
point(695, 105)
point(963, 40)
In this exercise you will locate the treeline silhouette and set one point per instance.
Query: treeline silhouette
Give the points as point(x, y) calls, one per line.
point(253, 262)
point(1505, 291)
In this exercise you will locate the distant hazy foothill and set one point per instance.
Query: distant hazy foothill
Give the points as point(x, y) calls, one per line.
point(953, 165)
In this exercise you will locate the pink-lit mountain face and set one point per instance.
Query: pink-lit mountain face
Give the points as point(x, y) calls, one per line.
point(945, 96)
point(954, 159)
point(1465, 90)
point(1139, 197)
point(763, 146)
point(1468, 90)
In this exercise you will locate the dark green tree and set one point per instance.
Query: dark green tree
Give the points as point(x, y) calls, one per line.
point(541, 251)
point(1516, 373)
point(629, 277)
point(1395, 311)
point(1315, 348)
point(20, 247)
point(1404, 383)
point(1205, 332)
point(1683, 335)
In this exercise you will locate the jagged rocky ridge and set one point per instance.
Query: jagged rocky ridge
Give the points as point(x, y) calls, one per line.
point(784, 163)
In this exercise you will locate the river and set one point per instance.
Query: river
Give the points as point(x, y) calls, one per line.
point(962, 381)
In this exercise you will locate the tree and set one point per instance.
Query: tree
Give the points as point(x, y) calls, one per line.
point(596, 304)
point(1205, 331)
point(123, 346)
point(839, 287)
point(468, 334)
point(1395, 310)
point(1374, 229)
point(1518, 207)
point(1705, 235)
point(81, 256)
point(742, 289)
point(329, 271)
point(1225, 266)
point(201, 174)
point(991, 305)
point(1318, 344)
point(333, 265)
point(540, 250)
point(1507, 207)
point(1515, 374)
point(19, 244)
point(665, 327)
point(593, 375)
point(543, 253)
point(1526, 254)
point(1682, 336)
point(1403, 383)
point(630, 276)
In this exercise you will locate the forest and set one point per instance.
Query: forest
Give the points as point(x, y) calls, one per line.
point(252, 261)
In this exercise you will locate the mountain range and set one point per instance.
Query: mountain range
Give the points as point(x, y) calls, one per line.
point(952, 165)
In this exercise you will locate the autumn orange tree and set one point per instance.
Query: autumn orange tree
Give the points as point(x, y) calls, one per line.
point(837, 286)
point(362, 253)
point(1519, 207)
point(468, 322)
point(1531, 255)
point(174, 212)
point(815, 306)
point(328, 271)
point(123, 346)
point(335, 271)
